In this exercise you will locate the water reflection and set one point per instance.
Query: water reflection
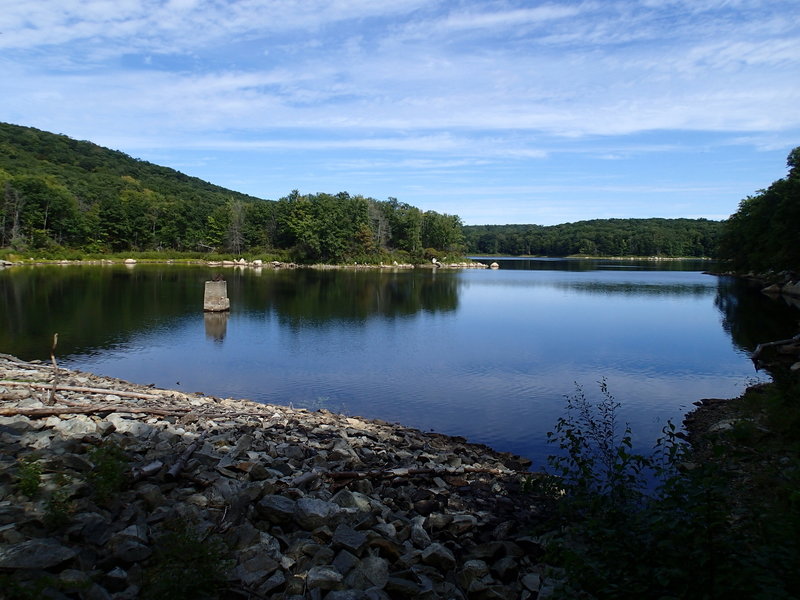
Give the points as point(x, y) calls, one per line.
point(751, 317)
point(484, 354)
point(216, 324)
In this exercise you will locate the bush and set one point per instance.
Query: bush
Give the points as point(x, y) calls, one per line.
point(633, 526)
point(185, 565)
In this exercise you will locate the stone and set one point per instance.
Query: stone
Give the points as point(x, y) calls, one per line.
point(77, 426)
point(420, 537)
point(325, 577)
point(348, 538)
point(311, 513)
point(532, 581)
point(371, 571)
point(276, 509)
point(41, 553)
point(345, 561)
point(124, 424)
point(439, 556)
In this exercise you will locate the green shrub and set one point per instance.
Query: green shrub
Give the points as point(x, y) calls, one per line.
point(637, 526)
point(29, 475)
point(109, 472)
point(185, 566)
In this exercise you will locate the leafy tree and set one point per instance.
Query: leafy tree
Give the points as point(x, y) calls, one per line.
point(762, 234)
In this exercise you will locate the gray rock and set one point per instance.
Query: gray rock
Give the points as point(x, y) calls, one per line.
point(439, 556)
point(129, 550)
point(276, 580)
point(532, 582)
point(35, 554)
point(124, 424)
point(345, 561)
point(325, 577)
point(348, 538)
point(371, 571)
point(72, 579)
point(276, 509)
point(420, 537)
point(311, 513)
point(77, 426)
point(356, 500)
point(505, 568)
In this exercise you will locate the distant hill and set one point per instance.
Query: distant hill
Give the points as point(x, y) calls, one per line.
point(599, 237)
point(59, 193)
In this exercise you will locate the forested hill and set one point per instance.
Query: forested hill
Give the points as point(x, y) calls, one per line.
point(599, 237)
point(62, 194)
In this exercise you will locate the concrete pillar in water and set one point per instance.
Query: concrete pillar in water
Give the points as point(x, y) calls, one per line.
point(216, 296)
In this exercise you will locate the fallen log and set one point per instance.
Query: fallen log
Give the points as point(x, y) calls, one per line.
point(83, 390)
point(763, 346)
point(176, 468)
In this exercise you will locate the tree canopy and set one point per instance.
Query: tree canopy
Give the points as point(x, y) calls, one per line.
point(599, 237)
point(58, 192)
point(762, 234)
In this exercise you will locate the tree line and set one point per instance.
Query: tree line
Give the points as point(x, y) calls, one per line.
point(60, 193)
point(764, 232)
point(599, 237)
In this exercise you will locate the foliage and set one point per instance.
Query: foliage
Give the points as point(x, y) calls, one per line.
point(185, 565)
point(599, 237)
point(58, 507)
point(29, 475)
point(762, 234)
point(59, 196)
point(689, 533)
point(109, 471)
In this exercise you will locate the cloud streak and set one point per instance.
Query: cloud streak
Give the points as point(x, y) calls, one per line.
point(431, 81)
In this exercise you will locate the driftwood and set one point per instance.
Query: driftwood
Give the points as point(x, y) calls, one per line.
point(411, 472)
point(52, 397)
point(176, 468)
point(84, 390)
point(139, 473)
point(761, 347)
point(52, 411)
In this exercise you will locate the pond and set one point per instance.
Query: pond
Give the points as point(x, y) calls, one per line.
point(485, 354)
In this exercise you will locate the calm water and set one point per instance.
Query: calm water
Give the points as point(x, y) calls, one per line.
point(485, 354)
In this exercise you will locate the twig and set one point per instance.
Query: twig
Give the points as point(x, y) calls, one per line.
point(52, 399)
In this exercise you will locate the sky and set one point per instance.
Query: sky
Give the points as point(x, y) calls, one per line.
point(499, 111)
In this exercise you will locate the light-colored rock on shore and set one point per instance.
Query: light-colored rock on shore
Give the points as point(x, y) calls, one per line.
point(304, 504)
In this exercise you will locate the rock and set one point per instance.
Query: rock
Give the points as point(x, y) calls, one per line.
point(371, 571)
point(277, 509)
point(77, 426)
point(324, 577)
point(348, 538)
point(298, 532)
point(532, 582)
point(311, 513)
point(439, 556)
point(40, 553)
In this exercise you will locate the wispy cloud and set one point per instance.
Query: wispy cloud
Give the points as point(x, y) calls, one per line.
point(423, 85)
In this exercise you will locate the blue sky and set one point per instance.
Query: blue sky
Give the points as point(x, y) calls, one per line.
point(499, 111)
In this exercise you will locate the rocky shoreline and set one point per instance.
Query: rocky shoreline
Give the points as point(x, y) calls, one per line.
point(296, 504)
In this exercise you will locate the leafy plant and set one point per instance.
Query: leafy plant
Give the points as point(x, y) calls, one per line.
point(29, 475)
point(185, 565)
point(108, 474)
point(636, 526)
point(58, 506)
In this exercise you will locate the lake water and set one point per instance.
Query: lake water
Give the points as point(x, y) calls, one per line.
point(486, 354)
